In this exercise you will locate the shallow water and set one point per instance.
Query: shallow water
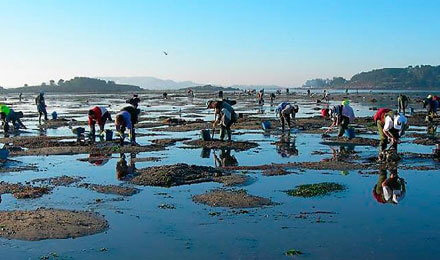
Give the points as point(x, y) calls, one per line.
point(353, 226)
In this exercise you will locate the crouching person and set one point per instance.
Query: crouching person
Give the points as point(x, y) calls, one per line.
point(126, 119)
point(391, 126)
point(98, 115)
point(8, 115)
point(224, 115)
point(285, 112)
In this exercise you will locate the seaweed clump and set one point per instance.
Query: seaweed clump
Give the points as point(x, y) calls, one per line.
point(316, 189)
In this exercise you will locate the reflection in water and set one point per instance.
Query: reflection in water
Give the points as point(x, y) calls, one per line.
point(389, 189)
point(225, 158)
point(341, 154)
point(286, 147)
point(99, 159)
point(123, 168)
point(206, 152)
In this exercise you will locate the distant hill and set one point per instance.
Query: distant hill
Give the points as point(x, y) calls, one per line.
point(151, 82)
point(418, 77)
point(76, 85)
point(210, 88)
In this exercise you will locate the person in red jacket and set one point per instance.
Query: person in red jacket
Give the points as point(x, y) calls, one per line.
point(391, 126)
point(98, 115)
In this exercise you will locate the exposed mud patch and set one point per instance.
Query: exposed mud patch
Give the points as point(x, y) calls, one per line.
point(233, 179)
point(216, 144)
point(426, 141)
point(323, 165)
point(275, 171)
point(59, 181)
point(316, 189)
point(357, 141)
point(175, 175)
point(147, 159)
point(27, 146)
point(4, 169)
point(43, 224)
point(231, 199)
point(110, 189)
point(169, 141)
point(21, 191)
point(60, 122)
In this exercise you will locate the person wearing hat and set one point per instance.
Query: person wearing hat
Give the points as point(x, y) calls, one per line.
point(341, 116)
point(391, 189)
point(134, 101)
point(98, 115)
point(402, 101)
point(286, 111)
point(391, 126)
point(41, 106)
point(224, 115)
point(126, 119)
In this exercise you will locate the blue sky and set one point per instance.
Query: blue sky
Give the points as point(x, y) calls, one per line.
point(219, 42)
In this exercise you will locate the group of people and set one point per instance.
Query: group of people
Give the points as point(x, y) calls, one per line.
point(391, 125)
point(125, 119)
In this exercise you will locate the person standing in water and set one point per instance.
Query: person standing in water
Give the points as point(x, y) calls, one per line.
point(41, 107)
point(402, 101)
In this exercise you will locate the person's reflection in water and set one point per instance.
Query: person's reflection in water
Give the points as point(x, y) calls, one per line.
point(225, 158)
point(343, 153)
point(42, 131)
point(123, 168)
point(206, 152)
point(99, 159)
point(286, 147)
point(390, 189)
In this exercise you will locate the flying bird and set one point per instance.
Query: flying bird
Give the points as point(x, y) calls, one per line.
point(165, 53)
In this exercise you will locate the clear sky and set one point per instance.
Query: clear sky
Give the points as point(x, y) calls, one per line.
point(219, 42)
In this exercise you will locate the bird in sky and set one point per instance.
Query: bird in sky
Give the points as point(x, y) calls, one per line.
point(165, 53)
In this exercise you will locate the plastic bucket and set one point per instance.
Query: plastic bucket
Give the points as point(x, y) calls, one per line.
point(266, 125)
point(350, 132)
point(206, 135)
point(79, 131)
point(54, 115)
point(4, 154)
point(108, 135)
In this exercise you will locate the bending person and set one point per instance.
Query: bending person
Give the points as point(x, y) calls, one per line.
point(98, 115)
point(224, 115)
point(126, 119)
point(391, 126)
point(285, 112)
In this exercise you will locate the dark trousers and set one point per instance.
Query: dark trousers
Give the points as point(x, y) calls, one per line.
point(343, 125)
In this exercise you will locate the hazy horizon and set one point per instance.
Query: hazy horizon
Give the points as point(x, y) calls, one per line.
point(223, 43)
